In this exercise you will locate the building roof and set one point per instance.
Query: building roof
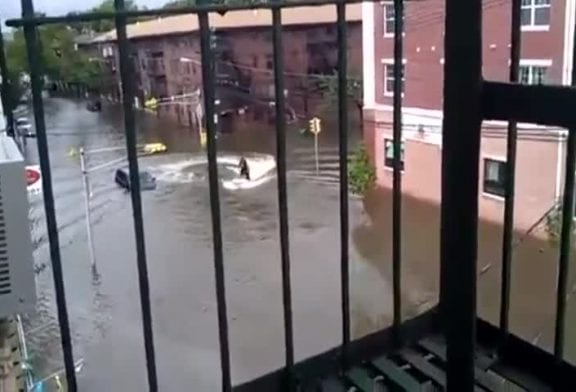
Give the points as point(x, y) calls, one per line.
point(235, 19)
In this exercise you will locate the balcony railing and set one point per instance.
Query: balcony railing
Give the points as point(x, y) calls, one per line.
point(438, 349)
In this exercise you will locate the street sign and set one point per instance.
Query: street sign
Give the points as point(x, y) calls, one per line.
point(33, 177)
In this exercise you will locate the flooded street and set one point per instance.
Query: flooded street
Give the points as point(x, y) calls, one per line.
point(105, 314)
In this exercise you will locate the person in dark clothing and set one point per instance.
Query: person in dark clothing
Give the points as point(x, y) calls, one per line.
point(244, 171)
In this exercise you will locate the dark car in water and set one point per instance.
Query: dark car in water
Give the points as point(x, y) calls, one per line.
point(147, 181)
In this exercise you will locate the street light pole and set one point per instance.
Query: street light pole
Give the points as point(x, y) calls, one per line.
point(87, 209)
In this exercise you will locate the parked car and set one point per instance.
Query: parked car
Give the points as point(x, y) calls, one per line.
point(24, 127)
point(94, 106)
point(147, 180)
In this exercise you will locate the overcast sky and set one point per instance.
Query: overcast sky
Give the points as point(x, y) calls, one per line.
point(11, 8)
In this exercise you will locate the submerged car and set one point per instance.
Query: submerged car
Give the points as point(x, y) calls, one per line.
point(147, 180)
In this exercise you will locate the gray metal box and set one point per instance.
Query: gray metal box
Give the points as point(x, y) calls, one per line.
point(17, 283)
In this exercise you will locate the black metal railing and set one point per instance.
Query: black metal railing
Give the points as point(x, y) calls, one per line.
point(30, 21)
point(468, 99)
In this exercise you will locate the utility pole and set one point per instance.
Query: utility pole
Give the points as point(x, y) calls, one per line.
point(86, 181)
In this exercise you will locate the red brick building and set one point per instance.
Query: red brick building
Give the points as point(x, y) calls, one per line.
point(547, 41)
point(167, 57)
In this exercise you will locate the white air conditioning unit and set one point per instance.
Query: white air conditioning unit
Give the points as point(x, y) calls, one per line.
point(17, 285)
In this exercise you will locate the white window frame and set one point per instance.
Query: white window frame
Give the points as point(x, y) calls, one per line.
point(497, 158)
point(385, 20)
point(385, 63)
point(532, 7)
point(545, 63)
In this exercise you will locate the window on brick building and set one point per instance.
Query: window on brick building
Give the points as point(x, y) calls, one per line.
point(535, 13)
point(389, 78)
point(269, 61)
point(388, 19)
point(494, 177)
point(389, 154)
point(532, 74)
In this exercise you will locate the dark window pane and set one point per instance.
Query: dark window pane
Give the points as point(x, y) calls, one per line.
point(524, 75)
point(539, 75)
point(494, 177)
point(542, 16)
point(526, 16)
point(389, 11)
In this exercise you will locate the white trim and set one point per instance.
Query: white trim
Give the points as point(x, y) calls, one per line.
point(499, 158)
point(390, 61)
point(536, 62)
point(433, 118)
point(535, 28)
point(568, 52)
point(368, 48)
point(493, 197)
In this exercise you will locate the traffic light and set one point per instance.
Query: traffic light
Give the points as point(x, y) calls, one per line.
point(315, 126)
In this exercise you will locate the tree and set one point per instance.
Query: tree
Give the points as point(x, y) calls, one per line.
point(104, 25)
point(60, 59)
point(179, 3)
point(328, 86)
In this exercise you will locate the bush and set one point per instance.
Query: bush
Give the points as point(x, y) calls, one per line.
point(554, 225)
point(361, 173)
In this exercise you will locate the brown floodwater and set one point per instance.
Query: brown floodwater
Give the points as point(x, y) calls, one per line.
point(105, 314)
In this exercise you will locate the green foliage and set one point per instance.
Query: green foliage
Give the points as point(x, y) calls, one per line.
point(102, 26)
point(328, 86)
point(186, 3)
point(60, 59)
point(361, 172)
point(179, 3)
point(554, 225)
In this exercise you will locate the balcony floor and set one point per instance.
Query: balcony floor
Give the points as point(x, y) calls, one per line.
point(419, 365)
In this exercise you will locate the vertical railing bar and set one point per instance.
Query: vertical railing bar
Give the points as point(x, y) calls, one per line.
point(282, 197)
point(397, 171)
point(515, 48)
point(459, 209)
point(565, 245)
point(33, 52)
point(6, 93)
point(130, 129)
point(343, 158)
point(566, 231)
point(209, 111)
